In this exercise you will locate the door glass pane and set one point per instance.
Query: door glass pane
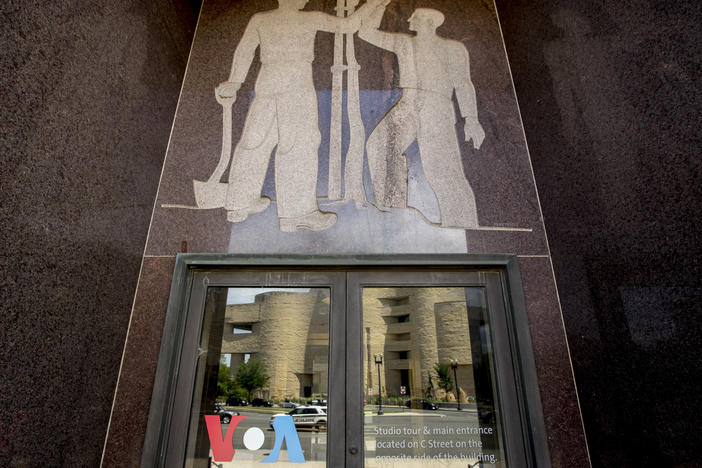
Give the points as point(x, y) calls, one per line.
point(262, 378)
point(428, 379)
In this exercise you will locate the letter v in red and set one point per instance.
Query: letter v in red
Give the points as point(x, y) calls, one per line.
point(222, 446)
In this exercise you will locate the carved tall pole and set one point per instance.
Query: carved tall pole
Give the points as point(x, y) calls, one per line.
point(353, 170)
point(334, 183)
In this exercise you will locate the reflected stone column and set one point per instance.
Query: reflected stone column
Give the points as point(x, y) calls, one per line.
point(236, 360)
point(283, 332)
point(316, 363)
point(424, 350)
point(376, 305)
point(453, 341)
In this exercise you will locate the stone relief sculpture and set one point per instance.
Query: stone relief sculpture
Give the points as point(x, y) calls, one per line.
point(283, 116)
point(283, 113)
point(431, 69)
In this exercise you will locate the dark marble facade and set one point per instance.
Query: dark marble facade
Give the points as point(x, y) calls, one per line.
point(87, 98)
point(610, 96)
point(131, 408)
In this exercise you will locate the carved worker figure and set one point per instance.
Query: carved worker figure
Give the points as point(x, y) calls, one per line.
point(431, 68)
point(283, 113)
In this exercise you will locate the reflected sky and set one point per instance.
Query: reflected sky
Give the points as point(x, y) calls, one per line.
point(247, 295)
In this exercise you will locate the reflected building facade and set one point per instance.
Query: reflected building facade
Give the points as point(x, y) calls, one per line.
point(289, 333)
point(415, 329)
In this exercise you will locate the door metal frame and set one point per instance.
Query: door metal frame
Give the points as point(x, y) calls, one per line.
point(193, 273)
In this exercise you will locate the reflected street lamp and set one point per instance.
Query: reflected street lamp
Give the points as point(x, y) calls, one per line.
point(454, 365)
point(379, 362)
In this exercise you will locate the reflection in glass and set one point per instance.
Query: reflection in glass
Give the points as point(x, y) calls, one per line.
point(428, 379)
point(262, 353)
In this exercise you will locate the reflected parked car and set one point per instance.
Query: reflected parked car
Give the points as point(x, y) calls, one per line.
point(261, 402)
point(288, 404)
point(225, 415)
point(421, 404)
point(317, 402)
point(236, 401)
point(306, 416)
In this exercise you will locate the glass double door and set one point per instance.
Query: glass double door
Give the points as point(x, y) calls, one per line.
point(367, 367)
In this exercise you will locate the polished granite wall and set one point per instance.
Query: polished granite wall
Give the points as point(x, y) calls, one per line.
point(87, 98)
point(610, 104)
point(610, 97)
point(500, 174)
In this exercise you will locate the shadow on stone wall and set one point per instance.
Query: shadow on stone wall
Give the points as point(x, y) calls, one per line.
point(88, 97)
point(607, 93)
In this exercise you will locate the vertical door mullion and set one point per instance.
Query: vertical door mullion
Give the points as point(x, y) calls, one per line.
point(354, 388)
point(336, 399)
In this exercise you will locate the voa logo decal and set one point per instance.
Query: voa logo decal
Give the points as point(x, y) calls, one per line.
point(223, 447)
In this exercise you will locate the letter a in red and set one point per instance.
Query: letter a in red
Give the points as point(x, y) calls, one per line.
point(222, 446)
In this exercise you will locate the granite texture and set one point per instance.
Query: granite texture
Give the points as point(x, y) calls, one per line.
point(133, 395)
point(500, 174)
point(87, 96)
point(553, 367)
point(610, 105)
point(609, 92)
point(610, 96)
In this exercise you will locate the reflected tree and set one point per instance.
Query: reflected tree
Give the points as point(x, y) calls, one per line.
point(251, 376)
point(443, 373)
point(227, 387)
